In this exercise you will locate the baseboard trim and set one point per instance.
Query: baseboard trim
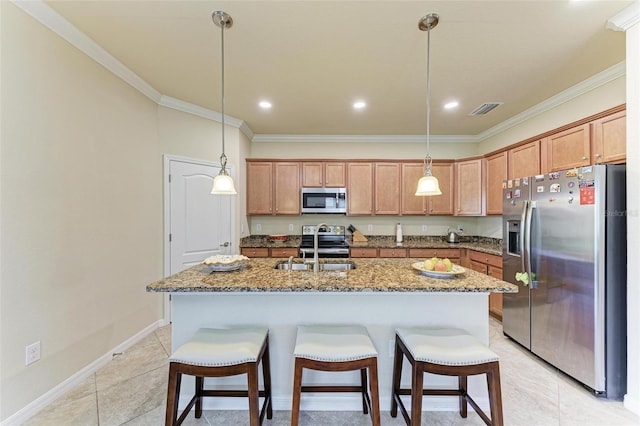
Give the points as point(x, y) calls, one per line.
point(76, 379)
point(632, 404)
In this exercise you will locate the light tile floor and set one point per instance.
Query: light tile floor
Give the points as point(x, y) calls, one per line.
point(131, 390)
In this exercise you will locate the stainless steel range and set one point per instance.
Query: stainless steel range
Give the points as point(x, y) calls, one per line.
point(332, 241)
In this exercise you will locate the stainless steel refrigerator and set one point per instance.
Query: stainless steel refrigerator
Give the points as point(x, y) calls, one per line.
point(565, 248)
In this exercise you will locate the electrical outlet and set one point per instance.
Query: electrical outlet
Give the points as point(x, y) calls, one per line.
point(291, 227)
point(460, 229)
point(424, 228)
point(369, 228)
point(32, 353)
point(391, 348)
point(258, 227)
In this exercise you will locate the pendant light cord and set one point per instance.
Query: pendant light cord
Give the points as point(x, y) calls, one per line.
point(223, 157)
point(427, 158)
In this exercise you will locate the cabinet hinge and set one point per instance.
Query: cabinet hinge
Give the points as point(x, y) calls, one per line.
point(169, 178)
point(169, 237)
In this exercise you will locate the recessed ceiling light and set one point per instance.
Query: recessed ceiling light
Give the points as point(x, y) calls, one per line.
point(265, 104)
point(359, 105)
point(451, 105)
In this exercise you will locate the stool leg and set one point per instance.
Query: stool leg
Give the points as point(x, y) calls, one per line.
point(252, 386)
point(199, 388)
point(397, 375)
point(173, 392)
point(297, 390)
point(462, 387)
point(417, 380)
point(495, 394)
point(266, 374)
point(363, 390)
point(375, 398)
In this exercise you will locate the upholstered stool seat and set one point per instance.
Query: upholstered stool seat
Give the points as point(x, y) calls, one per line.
point(336, 348)
point(450, 352)
point(218, 352)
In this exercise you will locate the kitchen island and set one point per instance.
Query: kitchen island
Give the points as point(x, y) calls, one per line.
point(381, 294)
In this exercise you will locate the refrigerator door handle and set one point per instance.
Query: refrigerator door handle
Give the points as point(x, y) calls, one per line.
point(523, 221)
point(531, 205)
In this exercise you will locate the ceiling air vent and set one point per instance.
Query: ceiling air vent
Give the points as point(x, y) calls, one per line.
point(485, 108)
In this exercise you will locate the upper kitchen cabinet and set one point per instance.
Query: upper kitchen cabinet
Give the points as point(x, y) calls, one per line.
point(410, 204)
point(609, 143)
point(435, 205)
point(259, 188)
point(359, 188)
point(441, 204)
point(470, 187)
point(567, 149)
point(524, 160)
point(496, 174)
point(273, 188)
point(387, 188)
point(324, 174)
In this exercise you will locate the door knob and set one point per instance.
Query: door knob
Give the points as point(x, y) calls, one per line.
point(225, 244)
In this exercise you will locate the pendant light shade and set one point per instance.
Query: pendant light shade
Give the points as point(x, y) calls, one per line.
point(428, 184)
point(223, 183)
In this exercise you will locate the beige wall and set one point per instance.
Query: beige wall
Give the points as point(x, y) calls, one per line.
point(81, 214)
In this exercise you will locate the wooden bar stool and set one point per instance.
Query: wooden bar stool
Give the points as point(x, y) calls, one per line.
point(220, 353)
point(336, 348)
point(449, 352)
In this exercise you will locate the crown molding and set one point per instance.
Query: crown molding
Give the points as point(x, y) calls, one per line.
point(189, 108)
point(56, 23)
point(616, 71)
point(286, 138)
point(625, 19)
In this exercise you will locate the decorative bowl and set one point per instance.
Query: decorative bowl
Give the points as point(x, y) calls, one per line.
point(279, 238)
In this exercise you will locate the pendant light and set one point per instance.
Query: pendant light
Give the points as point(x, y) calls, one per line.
point(223, 183)
point(428, 184)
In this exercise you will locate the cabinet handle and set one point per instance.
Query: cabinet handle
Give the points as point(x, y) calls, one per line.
point(597, 155)
point(584, 158)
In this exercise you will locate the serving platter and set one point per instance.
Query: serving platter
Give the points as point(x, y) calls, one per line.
point(454, 272)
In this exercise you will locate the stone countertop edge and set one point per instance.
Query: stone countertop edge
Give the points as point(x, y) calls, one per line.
point(428, 242)
point(258, 275)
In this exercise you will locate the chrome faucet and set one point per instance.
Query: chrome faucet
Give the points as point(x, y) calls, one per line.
point(315, 246)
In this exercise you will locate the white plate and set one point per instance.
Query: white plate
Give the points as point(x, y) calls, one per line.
point(220, 267)
point(454, 272)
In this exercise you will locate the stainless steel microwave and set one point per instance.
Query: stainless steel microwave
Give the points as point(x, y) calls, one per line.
point(324, 200)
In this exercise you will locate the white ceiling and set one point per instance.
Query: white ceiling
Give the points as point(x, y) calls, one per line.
point(313, 59)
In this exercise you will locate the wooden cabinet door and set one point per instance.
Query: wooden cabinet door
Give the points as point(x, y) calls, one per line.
point(363, 252)
point(478, 267)
point(286, 191)
point(335, 175)
point(609, 144)
point(496, 174)
point(524, 160)
point(284, 252)
point(387, 188)
point(409, 203)
point(568, 149)
point(255, 252)
point(392, 252)
point(360, 188)
point(442, 204)
point(470, 186)
point(259, 188)
point(312, 174)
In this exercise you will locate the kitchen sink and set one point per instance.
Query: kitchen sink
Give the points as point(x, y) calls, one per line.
point(327, 266)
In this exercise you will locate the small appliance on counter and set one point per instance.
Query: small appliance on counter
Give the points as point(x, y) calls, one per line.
point(452, 236)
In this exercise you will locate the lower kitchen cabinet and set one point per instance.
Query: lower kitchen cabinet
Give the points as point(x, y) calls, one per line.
point(491, 265)
point(363, 252)
point(393, 252)
point(427, 253)
point(269, 252)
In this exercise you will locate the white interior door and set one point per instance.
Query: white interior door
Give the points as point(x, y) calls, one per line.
point(197, 223)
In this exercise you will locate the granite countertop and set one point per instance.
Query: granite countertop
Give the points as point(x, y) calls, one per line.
point(485, 245)
point(370, 275)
